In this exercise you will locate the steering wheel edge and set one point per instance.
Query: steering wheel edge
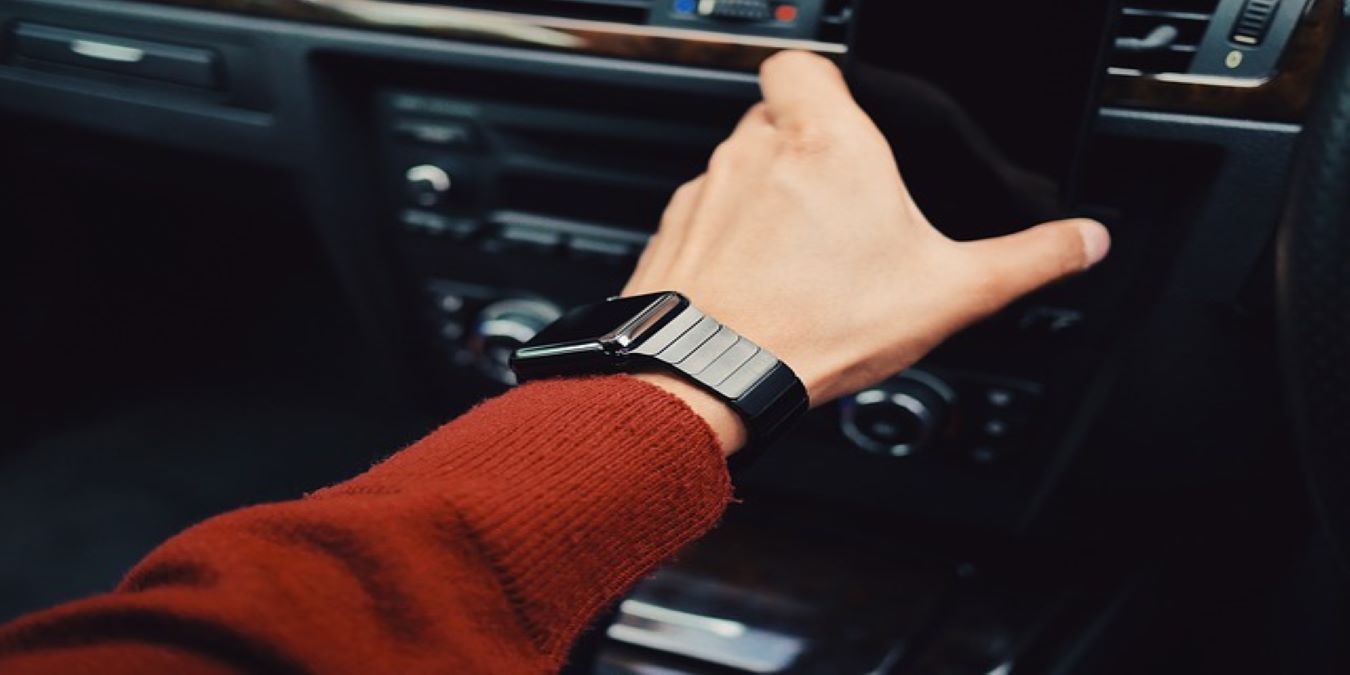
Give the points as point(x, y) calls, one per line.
point(1312, 285)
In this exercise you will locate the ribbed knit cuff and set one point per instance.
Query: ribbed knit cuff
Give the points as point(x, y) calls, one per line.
point(572, 489)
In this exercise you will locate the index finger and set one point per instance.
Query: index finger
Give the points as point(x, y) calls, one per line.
point(800, 87)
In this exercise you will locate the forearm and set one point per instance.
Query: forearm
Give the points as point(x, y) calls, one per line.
point(487, 546)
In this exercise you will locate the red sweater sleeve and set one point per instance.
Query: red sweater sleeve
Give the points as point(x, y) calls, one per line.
point(484, 548)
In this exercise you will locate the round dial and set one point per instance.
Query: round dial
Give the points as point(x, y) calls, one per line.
point(505, 325)
point(428, 185)
point(898, 418)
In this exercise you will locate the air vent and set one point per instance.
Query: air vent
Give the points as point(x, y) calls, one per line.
point(835, 18)
point(1254, 21)
point(1160, 36)
point(623, 11)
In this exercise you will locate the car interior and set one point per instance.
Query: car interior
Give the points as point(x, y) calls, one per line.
point(251, 247)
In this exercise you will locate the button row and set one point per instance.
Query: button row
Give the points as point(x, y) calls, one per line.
point(546, 240)
point(1002, 420)
point(516, 232)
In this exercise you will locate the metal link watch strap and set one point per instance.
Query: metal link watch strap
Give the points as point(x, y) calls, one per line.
point(762, 389)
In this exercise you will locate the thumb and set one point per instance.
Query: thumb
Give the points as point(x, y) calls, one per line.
point(1025, 261)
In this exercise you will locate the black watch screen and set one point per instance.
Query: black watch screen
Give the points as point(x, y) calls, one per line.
point(593, 323)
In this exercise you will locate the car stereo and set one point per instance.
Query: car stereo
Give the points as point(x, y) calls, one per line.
point(508, 205)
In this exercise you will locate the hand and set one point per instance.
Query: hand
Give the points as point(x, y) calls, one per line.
point(802, 237)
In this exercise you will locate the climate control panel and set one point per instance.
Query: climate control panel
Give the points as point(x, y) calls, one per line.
point(980, 419)
point(783, 18)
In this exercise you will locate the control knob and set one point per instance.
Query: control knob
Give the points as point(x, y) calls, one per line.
point(504, 326)
point(900, 417)
point(428, 185)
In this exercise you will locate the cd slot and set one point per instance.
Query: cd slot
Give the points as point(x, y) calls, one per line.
point(634, 204)
point(671, 153)
point(622, 177)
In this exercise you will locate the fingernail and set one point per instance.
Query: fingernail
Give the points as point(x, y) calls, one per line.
point(1096, 242)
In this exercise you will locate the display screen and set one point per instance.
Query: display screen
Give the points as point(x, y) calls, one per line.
point(591, 322)
point(986, 104)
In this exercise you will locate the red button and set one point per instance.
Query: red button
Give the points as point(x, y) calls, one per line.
point(785, 13)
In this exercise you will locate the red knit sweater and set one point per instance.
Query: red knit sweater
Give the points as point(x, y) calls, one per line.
point(484, 548)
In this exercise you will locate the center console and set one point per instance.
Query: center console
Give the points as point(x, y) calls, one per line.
point(508, 200)
point(472, 168)
point(505, 213)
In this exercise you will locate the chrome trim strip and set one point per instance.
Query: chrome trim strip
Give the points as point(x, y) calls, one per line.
point(106, 51)
point(1166, 14)
point(723, 642)
point(720, 627)
point(1182, 78)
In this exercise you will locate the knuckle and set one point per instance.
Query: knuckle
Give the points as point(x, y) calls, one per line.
point(650, 251)
point(724, 158)
point(813, 138)
point(681, 204)
point(672, 216)
point(759, 110)
point(837, 131)
point(686, 191)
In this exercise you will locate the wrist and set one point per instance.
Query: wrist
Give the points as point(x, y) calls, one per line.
point(725, 423)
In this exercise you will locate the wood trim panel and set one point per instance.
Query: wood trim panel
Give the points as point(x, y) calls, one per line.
point(598, 38)
point(1283, 97)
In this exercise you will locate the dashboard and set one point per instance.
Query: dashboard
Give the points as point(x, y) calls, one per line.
point(471, 170)
point(1189, 66)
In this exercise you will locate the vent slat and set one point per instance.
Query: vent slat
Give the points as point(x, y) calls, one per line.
point(1254, 21)
point(1166, 14)
point(1160, 36)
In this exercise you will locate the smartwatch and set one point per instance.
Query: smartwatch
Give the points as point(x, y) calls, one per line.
point(664, 331)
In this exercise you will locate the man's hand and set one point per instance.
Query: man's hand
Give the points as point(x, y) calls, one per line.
point(802, 237)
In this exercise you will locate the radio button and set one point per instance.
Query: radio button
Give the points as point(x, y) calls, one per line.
point(611, 251)
point(996, 428)
point(503, 327)
point(1049, 322)
point(427, 222)
point(448, 302)
point(446, 133)
point(529, 237)
point(987, 455)
point(451, 330)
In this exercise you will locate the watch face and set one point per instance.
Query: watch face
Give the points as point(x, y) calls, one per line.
point(606, 325)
